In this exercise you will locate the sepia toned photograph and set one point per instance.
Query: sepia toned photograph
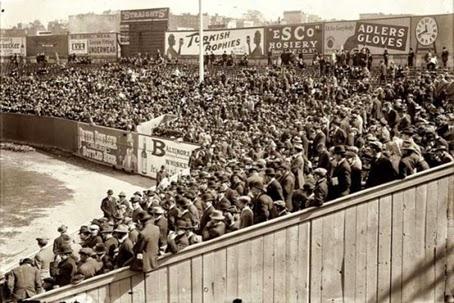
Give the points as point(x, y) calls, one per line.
point(210, 151)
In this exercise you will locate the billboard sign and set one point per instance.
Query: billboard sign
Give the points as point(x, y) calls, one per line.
point(96, 45)
point(54, 46)
point(108, 146)
point(12, 46)
point(392, 34)
point(155, 152)
point(248, 41)
point(141, 15)
point(306, 38)
point(78, 46)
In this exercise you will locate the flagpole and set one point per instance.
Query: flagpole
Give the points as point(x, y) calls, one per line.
point(201, 68)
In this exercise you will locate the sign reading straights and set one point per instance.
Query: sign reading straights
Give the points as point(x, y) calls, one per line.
point(12, 46)
point(155, 152)
point(247, 41)
point(306, 38)
point(139, 15)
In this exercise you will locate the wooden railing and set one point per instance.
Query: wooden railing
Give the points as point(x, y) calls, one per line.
point(385, 244)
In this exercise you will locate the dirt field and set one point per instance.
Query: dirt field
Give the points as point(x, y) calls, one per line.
point(40, 191)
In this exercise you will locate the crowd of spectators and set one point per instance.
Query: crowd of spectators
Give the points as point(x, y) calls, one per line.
point(273, 141)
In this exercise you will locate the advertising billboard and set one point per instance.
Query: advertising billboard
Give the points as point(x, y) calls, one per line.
point(108, 146)
point(51, 45)
point(248, 41)
point(306, 38)
point(378, 34)
point(155, 152)
point(140, 15)
point(95, 45)
point(12, 46)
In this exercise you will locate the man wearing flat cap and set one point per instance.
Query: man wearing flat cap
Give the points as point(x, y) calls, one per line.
point(381, 168)
point(87, 266)
point(320, 193)
point(340, 181)
point(147, 247)
point(125, 253)
point(410, 162)
point(24, 281)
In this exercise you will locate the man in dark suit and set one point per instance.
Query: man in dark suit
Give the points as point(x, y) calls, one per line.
point(25, 281)
point(246, 215)
point(160, 221)
point(261, 202)
point(340, 180)
point(66, 268)
point(273, 187)
point(125, 252)
point(147, 246)
point(287, 181)
point(215, 227)
point(381, 168)
point(324, 160)
point(109, 205)
point(337, 135)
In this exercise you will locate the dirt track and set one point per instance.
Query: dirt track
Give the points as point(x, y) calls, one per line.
point(40, 191)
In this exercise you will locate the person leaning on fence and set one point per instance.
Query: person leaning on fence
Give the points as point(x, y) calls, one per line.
point(147, 247)
point(24, 281)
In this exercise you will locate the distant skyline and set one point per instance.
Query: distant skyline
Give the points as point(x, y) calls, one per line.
point(26, 11)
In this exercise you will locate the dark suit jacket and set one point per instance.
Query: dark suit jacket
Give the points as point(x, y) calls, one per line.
point(148, 245)
point(246, 217)
point(274, 190)
point(288, 185)
point(381, 171)
point(125, 253)
point(341, 173)
point(25, 281)
point(262, 207)
point(66, 271)
point(163, 228)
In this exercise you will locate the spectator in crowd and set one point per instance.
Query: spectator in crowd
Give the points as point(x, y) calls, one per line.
point(24, 281)
point(267, 137)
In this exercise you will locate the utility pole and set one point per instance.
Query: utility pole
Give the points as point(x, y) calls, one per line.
point(201, 68)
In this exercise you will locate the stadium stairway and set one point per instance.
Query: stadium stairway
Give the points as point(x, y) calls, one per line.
point(390, 243)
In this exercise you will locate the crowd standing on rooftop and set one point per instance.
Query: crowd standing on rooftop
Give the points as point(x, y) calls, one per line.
point(273, 140)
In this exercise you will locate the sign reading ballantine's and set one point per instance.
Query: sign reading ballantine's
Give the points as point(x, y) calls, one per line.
point(304, 37)
point(382, 35)
point(154, 14)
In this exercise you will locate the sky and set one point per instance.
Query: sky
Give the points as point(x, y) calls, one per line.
point(47, 10)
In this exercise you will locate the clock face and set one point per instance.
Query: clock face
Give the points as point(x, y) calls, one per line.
point(426, 31)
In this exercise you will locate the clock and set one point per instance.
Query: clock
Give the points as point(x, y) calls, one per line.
point(426, 31)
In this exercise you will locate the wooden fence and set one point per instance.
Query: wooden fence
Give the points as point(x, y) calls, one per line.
point(386, 244)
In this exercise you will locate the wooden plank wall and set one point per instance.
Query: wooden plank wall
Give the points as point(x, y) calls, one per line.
point(393, 248)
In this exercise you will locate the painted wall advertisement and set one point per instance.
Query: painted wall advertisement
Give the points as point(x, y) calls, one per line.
point(239, 41)
point(306, 38)
point(53, 46)
point(95, 45)
point(12, 46)
point(141, 15)
point(392, 34)
point(432, 33)
point(109, 146)
point(155, 152)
